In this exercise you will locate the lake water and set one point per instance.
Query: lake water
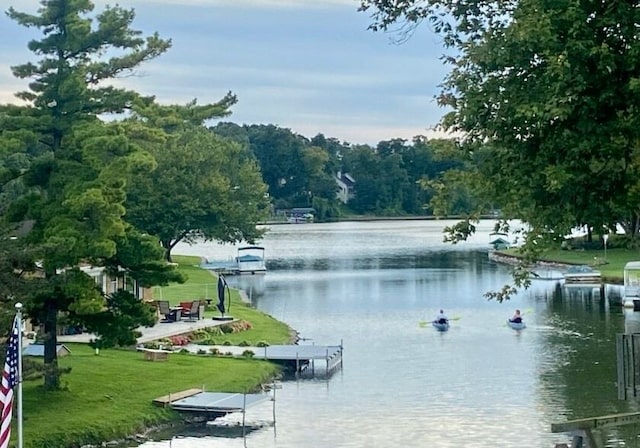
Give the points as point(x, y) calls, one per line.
point(481, 384)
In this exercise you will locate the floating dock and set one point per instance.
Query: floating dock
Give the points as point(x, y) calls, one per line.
point(302, 359)
point(197, 404)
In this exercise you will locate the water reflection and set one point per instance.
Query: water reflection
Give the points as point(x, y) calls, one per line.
point(479, 384)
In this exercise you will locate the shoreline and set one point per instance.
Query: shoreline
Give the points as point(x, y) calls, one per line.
point(513, 260)
point(148, 421)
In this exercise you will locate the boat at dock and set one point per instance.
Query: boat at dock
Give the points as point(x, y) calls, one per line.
point(249, 260)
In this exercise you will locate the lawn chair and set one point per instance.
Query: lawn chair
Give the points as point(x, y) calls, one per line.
point(165, 310)
point(193, 313)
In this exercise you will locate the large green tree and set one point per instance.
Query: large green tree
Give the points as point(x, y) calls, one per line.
point(74, 181)
point(548, 91)
point(203, 187)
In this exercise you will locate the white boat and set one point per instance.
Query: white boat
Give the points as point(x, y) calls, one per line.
point(631, 284)
point(250, 260)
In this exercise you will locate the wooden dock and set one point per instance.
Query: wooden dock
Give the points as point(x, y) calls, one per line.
point(168, 399)
point(585, 432)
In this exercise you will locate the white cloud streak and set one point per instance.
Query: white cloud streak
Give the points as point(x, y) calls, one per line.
point(311, 66)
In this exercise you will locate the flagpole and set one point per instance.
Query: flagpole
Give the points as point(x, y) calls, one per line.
point(19, 403)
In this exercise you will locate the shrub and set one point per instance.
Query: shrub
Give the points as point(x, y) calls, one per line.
point(179, 340)
point(214, 351)
point(247, 354)
point(227, 342)
point(236, 327)
point(244, 344)
point(262, 344)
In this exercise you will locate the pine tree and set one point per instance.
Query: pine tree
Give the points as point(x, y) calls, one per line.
point(76, 176)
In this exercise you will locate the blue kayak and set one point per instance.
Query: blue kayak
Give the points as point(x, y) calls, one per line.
point(516, 325)
point(440, 327)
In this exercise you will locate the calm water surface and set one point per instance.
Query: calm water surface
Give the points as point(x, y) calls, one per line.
point(479, 385)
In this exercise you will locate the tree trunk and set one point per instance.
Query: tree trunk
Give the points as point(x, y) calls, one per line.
point(51, 373)
point(167, 250)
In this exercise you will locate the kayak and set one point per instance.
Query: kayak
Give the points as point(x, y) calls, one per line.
point(440, 327)
point(516, 325)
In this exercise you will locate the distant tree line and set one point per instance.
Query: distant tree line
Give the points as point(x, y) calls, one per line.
point(393, 178)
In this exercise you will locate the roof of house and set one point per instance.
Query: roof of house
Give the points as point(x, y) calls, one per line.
point(303, 210)
point(346, 179)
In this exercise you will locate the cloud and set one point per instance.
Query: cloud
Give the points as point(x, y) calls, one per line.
point(261, 4)
point(311, 66)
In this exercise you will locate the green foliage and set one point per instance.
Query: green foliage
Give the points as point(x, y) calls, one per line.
point(204, 187)
point(545, 94)
point(66, 170)
point(117, 322)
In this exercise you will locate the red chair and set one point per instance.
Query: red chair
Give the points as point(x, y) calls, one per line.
point(193, 313)
point(186, 306)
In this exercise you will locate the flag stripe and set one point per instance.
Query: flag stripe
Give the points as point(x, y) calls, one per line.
point(9, 381)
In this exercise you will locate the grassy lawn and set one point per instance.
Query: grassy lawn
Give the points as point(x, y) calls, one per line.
point(612, 271)
point(202, 284)
point(109, 396)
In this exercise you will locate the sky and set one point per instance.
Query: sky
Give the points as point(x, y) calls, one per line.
point(311, 66)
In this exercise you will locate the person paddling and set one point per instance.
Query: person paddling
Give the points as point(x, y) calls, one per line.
point(517, 318)
point(441, 318)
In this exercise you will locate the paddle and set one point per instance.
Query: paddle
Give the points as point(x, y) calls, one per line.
point(424, 323)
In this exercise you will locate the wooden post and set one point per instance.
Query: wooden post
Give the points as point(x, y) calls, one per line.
point(326, 356)
point(620, 366)
point(274, 408)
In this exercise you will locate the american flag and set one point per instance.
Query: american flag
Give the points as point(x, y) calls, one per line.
point(9, 381)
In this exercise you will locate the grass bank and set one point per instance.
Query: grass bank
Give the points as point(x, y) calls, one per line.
point(611, 266)
point(109, 396)
point(202, 284)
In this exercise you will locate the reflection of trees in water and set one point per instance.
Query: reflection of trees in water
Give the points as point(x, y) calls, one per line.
point(577, 368)
point(414, 258)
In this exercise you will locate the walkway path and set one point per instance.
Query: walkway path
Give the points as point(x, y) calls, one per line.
point(158, 331)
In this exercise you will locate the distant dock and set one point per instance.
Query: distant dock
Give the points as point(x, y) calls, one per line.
point(306, 360)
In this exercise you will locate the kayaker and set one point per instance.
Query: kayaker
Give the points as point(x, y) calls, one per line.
point(517, 318)
point(441, 318)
